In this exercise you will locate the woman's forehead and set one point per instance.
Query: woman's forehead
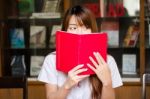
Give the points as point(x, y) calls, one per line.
point(74, 20)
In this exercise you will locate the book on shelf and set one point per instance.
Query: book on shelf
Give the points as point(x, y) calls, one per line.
point(38, 5)
point(149, 33)
point(52, 41)
point(37, 36)
point(44, 15)
point(115, 9)
point(129, 64)
point(112, 30)
point(133, 7)
point(74, 49)
point(36, 64)
point(18, 67)
point(94, 7)
point(51, 5)
point(25, 7)
point(131, 36)
point(98, 8)
point(17, 38)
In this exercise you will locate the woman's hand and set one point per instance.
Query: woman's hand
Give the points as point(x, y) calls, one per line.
point(73, 76)
point(101, 69)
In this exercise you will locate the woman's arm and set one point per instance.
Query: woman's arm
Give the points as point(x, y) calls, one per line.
point(55, 92)
point(108, 92)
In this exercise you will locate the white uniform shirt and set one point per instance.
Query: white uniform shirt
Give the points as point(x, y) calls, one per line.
point(49, 74)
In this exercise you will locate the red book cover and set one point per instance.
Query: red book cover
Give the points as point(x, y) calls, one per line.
point(74, 49)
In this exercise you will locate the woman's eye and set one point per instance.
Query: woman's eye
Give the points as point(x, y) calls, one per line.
point(72, 28)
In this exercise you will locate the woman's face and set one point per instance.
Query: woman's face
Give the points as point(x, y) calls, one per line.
point(74, 27)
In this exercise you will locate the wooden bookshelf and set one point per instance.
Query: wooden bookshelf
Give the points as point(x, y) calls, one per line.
point(1, 9)
point(36, 90)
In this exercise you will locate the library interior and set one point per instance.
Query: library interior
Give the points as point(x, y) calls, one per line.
point(28, 34)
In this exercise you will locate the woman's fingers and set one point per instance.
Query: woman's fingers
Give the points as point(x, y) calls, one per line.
point(99, 58)
point(80, 71)
point(77, 67)
point(96, 63)
point(93, 61)
point(91, 67)
point(81, 77)
point(75, 72)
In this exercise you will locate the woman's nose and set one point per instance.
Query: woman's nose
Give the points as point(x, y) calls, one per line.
point(84, 31)
point(81, 30)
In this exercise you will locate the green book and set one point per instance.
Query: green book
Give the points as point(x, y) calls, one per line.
point(25, 7)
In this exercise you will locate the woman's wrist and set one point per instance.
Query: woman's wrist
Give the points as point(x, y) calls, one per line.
point(107, 83)
point(66, 87)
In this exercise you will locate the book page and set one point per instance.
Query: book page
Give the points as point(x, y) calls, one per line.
point(53, 36)
point(129, 64)
point(36, 63)
point(37, 36)
point(113, 38)
point(112, 30)
point(51, 5)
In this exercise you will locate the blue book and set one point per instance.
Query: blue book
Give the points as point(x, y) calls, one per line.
point(18, 67)
point(17, 38)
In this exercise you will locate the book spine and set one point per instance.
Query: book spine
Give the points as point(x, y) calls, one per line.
point(79, 47)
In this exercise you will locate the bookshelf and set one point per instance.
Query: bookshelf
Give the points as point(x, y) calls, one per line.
point(126, 34)
point(147, 36)
point(117, 25)
point(28, 50)
point(132, 83)
point(0, 56)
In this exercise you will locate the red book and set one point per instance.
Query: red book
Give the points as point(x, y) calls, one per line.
point(74, 49)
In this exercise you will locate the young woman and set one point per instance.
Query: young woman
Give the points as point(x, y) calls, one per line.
point(101, 85)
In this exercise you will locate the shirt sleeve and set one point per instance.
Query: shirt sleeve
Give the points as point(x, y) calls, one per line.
point(116, 78)
point(48, 73)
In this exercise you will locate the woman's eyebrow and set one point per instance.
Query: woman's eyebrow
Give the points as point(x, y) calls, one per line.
point(73, 24)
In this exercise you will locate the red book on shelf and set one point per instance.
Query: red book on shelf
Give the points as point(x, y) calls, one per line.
point(74, 49)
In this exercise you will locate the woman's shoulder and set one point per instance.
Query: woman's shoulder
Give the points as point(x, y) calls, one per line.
point(50, 56)
point(111, 60)
point(110, 57)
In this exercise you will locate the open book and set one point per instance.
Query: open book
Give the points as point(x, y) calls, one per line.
point(74, 49)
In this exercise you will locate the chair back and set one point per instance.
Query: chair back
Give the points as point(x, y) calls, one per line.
point(145, 81)
point(15, 82)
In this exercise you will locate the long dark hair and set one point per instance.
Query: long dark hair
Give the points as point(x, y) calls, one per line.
point(85, 17)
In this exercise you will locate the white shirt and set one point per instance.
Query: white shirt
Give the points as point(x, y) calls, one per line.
point(49, 74)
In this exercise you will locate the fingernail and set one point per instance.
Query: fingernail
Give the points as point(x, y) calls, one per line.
point(81, 65)
point(85, 69)
point(90, 57)
point(94, 53)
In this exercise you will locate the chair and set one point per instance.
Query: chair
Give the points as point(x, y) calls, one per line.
point(145, 81)
point(14, 82)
